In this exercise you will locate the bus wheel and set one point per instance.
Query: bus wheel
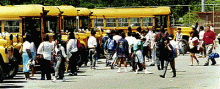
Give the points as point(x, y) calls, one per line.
point(1, 74)
point(13, 68)
point(185, 46)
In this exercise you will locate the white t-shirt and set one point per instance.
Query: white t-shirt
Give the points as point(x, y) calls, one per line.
point(179, 36)
point(174, 44)
point(72, 45)
point(201, 34)
point(116, 38)
point(26, 45)
point(92, 42)
point(32, 47)
point(130, 40)
point(45, 48)
point(62, 49)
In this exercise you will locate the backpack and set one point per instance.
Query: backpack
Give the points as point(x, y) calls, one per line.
point(121, 46)
point(160, 41)
point(174, 52)
point(111, 44)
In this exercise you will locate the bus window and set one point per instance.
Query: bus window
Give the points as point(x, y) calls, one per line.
point(148, 21)
point(136, 22)
point(98, 22)
point(111, 22)
point(161, 21)
point(69, 22)
point(123, 22)
point(51, 25)
point(83, 22)
point(12, 26)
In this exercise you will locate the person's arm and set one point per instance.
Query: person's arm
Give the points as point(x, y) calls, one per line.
point(213, 36)
point(40, 49)
point(169, 48)
point(68, 46)
point(64, 54)
point(94, 43)
point(29, 53)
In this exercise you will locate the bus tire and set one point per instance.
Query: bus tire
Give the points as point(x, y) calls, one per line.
point(13, 68)
point(185, 45)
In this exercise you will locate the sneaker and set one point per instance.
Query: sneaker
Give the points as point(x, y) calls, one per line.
point(162, 76)
point(54, 80)
point(119, 70)
point(152, 65)
point(64, 79)
point(148, 72)
point(136, 71)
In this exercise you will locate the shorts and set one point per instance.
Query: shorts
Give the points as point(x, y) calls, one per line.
point(139, 57)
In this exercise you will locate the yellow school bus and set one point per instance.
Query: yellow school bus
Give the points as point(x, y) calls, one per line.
point(12, 19)
point(122, 18)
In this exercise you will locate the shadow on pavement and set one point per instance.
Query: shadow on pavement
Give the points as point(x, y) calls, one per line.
point(11, 86)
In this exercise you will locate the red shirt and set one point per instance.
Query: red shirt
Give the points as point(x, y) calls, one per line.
point(209, 36)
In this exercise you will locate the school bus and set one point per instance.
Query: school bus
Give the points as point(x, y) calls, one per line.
point(12, 25)
point(122, 18)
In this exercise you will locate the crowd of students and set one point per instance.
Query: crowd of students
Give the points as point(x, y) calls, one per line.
point(134, 48)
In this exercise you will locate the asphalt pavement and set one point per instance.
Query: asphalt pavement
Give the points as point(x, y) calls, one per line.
point(188, 77)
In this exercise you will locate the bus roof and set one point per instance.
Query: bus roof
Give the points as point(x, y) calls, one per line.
point(83, 11)
point(53, 11)
point(68, 10)
point(14, 12)
point(129, 12)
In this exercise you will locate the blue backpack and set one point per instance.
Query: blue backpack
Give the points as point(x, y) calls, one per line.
point(121, 47)
point(111, 45)
point(174, 52)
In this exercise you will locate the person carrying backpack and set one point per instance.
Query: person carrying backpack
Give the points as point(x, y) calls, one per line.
point(159, 39)
point(168, 57)
point(110, 47)
point(122, 52)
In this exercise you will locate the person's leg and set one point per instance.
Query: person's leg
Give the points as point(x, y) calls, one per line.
point(213, 61)
point(93, 59)
point(119, 64)
point(165, 69)
point(125, 64)
point(182, 48)
point(153, 54)
point(191, 56)
point(48, 67)
point(172, 64)
point(178, 49)
point(194, 56)
point(209, 48)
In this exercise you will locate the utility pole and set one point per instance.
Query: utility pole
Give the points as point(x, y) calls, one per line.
point(203, 5)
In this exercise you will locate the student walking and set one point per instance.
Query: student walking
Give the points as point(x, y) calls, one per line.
point(26, 56)
point(138, 47)
point(193, 42)
point(122, 52)
point(209, 40)
point(110, 47)
point(45, 49)
point(60, 59)
point(33, 53)
point(179, 38)
point(168, 57)
point(73, 49)
point(201, 42)
point(92, 49)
